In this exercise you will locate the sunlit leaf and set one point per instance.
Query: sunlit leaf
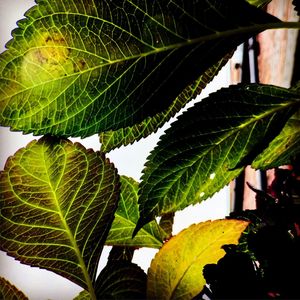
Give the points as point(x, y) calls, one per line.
point(126, 218)
point(124, 136)
point(75, 68)
point(210, 144)
point(283, 148)
point(57, 203)
point(176, 270)
point(259, 3)
point(84, 295)
point(9, 292)
point(121, 280)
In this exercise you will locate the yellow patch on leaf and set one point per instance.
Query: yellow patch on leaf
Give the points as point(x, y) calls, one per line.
point(46, 60)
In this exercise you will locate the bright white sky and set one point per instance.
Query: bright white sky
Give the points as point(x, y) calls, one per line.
point(40, 284)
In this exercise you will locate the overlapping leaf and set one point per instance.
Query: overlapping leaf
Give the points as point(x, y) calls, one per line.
point(124, 136)
point(75, 68)
point(176, 270)
point(283, 148)
point(9, 291)
point(121, 280)
point(126, 218)
point(57, 203)
point(210, 144)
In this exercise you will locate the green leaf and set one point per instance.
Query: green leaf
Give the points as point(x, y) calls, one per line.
point(57, 203)
point(124, 136)
point(84, 295)
point(126, 218)
point(176, 270)
point(259, 3)
point(121, 280)
point(9, 292)
point(283, 148)
point(210, 144)
point(76, 68)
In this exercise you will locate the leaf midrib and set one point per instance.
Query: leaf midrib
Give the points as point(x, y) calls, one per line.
point(68, 231)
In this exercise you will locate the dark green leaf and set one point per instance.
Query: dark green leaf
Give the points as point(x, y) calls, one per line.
point(283, 148)
point(126, 218)
point(124, 136)
point(210, 144)
point(9, 291)
point(75, 68)
point(57, 203)
point(166, 223)
point(121, 280)
point(121, 253)
point(296, 86)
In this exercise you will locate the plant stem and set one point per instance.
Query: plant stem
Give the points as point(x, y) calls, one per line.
point(241, 30)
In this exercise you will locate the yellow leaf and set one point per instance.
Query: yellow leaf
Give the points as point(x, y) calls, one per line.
point(176, 270)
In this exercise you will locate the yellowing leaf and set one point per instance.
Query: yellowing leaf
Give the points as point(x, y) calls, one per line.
point(176, 270)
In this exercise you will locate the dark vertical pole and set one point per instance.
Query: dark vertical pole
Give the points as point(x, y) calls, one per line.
point(240, 180)
point(262, 174)
point(250, 74)
point(255, 49)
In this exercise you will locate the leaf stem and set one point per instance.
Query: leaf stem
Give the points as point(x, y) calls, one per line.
point(256, 28)
point(234, 32)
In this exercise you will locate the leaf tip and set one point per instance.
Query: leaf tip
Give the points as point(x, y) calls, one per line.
point(140, 223)
point(137, 228)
